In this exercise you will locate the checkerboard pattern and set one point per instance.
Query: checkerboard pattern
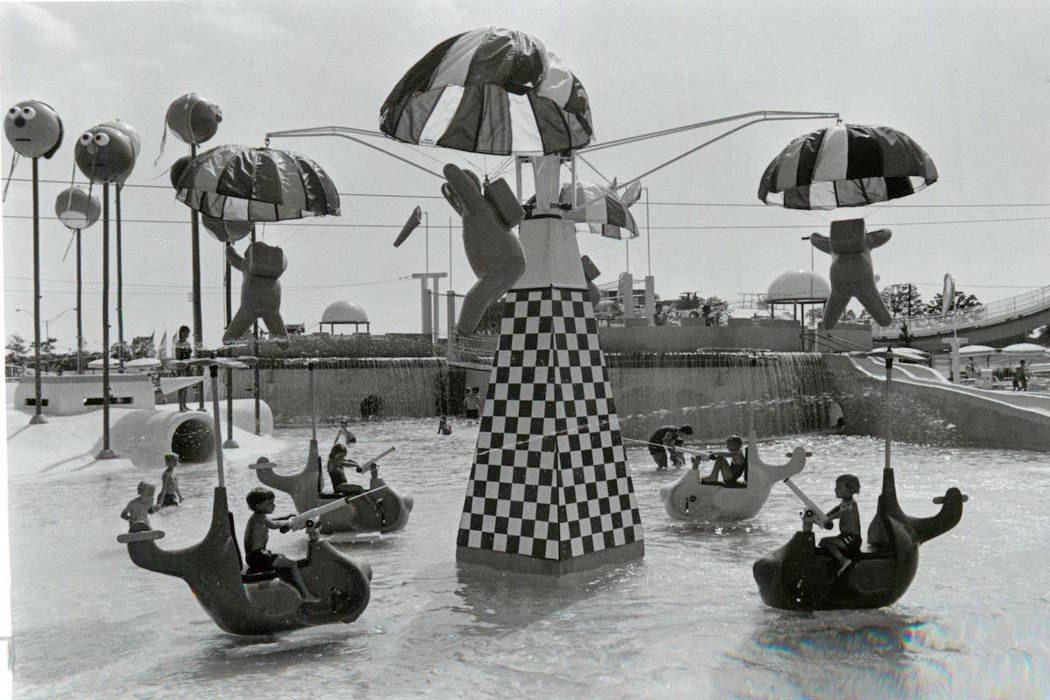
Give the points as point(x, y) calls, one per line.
point(549, 478)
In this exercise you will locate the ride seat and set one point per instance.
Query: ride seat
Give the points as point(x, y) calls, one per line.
point(352, 490)
point(249, 576)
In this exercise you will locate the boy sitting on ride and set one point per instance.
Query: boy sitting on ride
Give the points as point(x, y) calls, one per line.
point(337, 464)
point(138, 509)
point(847, 543)
point(730, 464)
point(256, 537)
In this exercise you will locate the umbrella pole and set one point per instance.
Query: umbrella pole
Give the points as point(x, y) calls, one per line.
point(120, 287)
point(37, 415)
point(229, 443)
point(80, 319)
point(889, 380)
point(214, 372)
point(255, 367)
point(106, 452)
point(313, 403)
point(195, 254)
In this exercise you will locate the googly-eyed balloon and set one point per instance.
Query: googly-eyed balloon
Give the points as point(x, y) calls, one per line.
point(105, 154)
point(33, 128)
point(193, 118)
point(77, 209)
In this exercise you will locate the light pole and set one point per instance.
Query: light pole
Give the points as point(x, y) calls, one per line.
point(47, 322)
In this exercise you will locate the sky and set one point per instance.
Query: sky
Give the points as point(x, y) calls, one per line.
point(969, 81)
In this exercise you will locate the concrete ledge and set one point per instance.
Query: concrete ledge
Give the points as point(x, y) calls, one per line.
point(519, 563)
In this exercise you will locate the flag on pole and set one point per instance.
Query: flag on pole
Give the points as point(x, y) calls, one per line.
point(162, 349)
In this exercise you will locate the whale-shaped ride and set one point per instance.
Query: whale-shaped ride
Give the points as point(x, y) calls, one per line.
point(689, 499)
point(799, 576)
point(254, 602)
point(380, 509)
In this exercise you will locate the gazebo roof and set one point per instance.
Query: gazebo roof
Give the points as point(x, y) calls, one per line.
point(798, 287)
point(344, 312)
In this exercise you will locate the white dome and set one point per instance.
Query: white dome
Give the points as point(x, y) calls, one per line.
point(344, 312)
point(798, 286)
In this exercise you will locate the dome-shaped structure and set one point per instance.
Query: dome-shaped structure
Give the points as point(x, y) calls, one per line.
point(798, 287)
point(344, 312)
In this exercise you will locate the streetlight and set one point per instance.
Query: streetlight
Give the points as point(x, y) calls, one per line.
point(810, 238)
point(47, 322)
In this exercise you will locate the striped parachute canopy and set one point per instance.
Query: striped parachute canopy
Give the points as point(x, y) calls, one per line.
point(256, 184)
point(605, 212)
point(846, 165)
point(493, 91)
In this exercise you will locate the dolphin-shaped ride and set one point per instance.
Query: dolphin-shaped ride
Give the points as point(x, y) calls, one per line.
point(254, 602)
point(381, 510)
point(690, 499)
point(799, 576)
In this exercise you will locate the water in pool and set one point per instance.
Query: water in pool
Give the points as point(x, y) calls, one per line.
point(686, 621)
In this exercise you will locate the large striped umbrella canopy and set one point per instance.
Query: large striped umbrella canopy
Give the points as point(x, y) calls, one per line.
point(494, 91)
point(846, 165)
point(256, 184)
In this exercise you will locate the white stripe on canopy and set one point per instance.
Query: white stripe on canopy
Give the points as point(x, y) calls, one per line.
point(441, 116)
point(455, 64)
point(525, 133)
point(833, 155)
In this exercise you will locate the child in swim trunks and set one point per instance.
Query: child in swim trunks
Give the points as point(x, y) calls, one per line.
point(337, 464)
point(847, 543)
point(730, 466)
point(169, 483)
point(256, 537)
point(138, 509)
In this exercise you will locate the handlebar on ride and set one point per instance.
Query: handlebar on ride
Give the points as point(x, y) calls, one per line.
point(365, 466)
point(312, 516)
point(812, 509)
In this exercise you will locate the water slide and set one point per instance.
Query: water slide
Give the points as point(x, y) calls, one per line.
point(927, 408)
point(986, 324)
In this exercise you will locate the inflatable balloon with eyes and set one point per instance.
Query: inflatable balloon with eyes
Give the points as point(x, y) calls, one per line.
point(33, 128)
point(105, 154)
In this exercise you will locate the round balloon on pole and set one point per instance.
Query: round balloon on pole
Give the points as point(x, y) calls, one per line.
point(133, 136)
point(105, 154)
point(193, 118)
point(226, 230)
point(33, 128)
point(77, 209)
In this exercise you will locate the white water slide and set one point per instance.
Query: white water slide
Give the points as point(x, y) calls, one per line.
point(988, 323)
point(927, 408)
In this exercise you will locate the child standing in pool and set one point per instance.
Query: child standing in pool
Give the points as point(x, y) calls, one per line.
point(138, 509)
point(169, 483)
point(257, 536)
point(344, 433)
point(443, 427)
point(847, 543)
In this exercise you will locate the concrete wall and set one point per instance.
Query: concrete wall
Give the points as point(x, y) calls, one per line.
point(760, 334)
point(65, 395)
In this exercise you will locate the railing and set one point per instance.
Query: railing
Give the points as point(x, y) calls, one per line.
point(984, 315)
point(819, 340)
point(478, 349)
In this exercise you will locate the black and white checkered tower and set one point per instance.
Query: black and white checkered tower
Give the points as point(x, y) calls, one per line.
point(549, 490)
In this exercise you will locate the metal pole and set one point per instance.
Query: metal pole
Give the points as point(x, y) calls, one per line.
point(889, 379)
point(230, 443)
point(214, 372)
point(80, 320)
point(106, 452)
point(313, 403)
point(648, 237)
point(120, 288)
point(255, 367)
point(195, 254)
point(37, 415)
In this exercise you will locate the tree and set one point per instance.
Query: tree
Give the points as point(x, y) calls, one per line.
point(16, 350)
point(902, 299)
point(962, 301)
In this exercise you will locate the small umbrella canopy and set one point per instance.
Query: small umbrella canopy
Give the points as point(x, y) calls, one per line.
point(100, 362)
point(977, 350)
point(604, 213)
point(1025, 349)
point(490, 90)
point(846, 165)
point(142, 364)
point(256, 184)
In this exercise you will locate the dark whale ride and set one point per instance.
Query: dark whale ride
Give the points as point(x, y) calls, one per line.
point(379, 509)
point(800, 576)
point(255, 602)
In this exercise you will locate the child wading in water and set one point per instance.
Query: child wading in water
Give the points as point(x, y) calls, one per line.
point(138, 509)
point(847, 543)
point(443, 427)
point(256, 537)
point(169, 483)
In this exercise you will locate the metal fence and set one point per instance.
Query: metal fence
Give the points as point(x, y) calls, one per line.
point(984, 315)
